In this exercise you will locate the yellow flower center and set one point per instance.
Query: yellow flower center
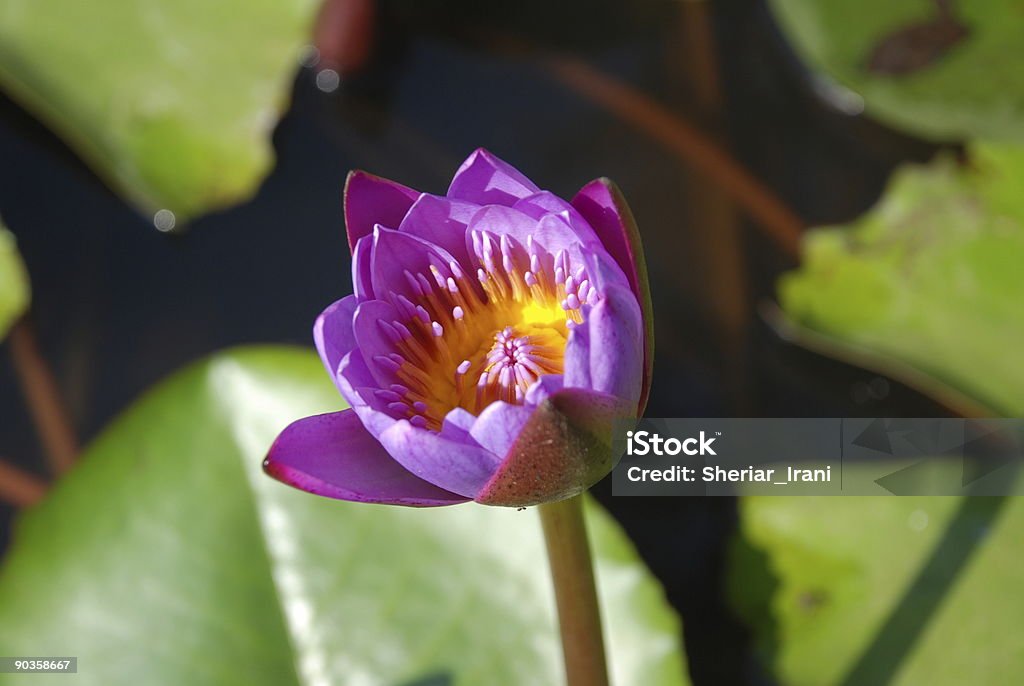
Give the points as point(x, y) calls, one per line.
point(467, 343)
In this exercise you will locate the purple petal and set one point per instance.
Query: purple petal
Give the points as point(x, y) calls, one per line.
point(362, 282)
point(460, 467)
point(543, 388)
point(333, 455)
point(576, 363)
point(602, 205)
point(550, 232)
point(441, 221)
point(394, 254)
point(485, 180)
point(602, 269)
point(359, 389)
point(616, 345)
point(333, 333)
point(457, 424)
point(545, 202)
point(499, 425)
point(371, 200)
point(372, 341)
point(597, 204)
point(354, 373)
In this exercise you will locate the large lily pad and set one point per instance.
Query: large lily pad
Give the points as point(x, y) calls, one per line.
point(171, 101)
point(167, 557)
point(941, 73)
point(928, 283)
point(904, 590)
point(14, 288)
point(873, 590)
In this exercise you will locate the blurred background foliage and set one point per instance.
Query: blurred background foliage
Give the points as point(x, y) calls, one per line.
point(929, 278)
point(941, 69)
point(732, 128)
point(926, 287)
point(172, 103)
point(14, 287)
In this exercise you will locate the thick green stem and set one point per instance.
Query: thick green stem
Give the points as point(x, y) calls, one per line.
point(572, 572)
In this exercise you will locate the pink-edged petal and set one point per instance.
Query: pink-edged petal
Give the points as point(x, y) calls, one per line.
point(460, 467)
point(605, 209)
point(398, 255)
point(616, 345)
point(334, 456)
point(441, 221)
point(486, 180)
point(333, 335)
point(564, 448)
point(371, 200)
point(499, 425)
point(546, 202)
point(598, 205)
point(362, 282)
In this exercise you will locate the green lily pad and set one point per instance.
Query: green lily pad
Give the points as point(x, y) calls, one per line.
point(903, 590)
point(167, 557)
point(14, 286)
point(900, 590)
point(928, 283)
point(940, 74)
point(172, 102)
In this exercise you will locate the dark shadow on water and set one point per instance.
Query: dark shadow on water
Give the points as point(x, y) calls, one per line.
point(436, 679)
point(880, 661)
point(752, 586)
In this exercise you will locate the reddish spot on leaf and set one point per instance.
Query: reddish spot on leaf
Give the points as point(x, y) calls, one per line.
point(917, 46)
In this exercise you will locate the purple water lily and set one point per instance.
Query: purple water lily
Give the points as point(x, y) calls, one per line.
point(493, 336)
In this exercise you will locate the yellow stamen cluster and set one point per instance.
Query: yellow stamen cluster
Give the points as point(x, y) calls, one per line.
point(468, 343)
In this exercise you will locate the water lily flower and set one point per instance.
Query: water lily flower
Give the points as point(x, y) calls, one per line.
point(493, 336)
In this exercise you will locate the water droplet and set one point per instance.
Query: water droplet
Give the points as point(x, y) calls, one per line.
point(164, 220)
point(328, 80)
point(918, 520)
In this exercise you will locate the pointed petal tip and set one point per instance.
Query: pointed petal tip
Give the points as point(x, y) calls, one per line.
point(369, 199)
point(486, 179)
point(479, 152)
